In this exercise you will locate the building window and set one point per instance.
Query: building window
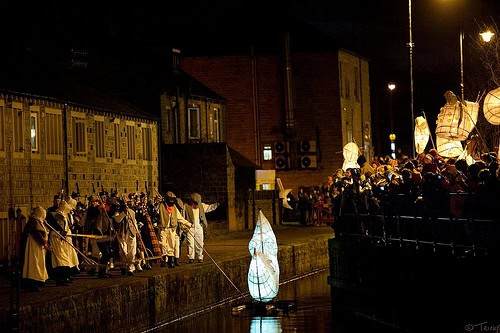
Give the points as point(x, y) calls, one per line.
point(194, 123)
point(131, 142)
point(356, 84)
point(79, 136)
point(99, 139)
point(116, 128)
point(216, 124)
point(147, 144)
point(53, 133)
point(34, 131)
point(18, 129)
point(2, 128)
point(268, 153)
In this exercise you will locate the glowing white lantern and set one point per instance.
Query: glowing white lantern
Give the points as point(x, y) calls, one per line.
point(491, 107)
point(448, 148)
point(456, 120)
point(264, 272)
point(422, 134)
point(351, 154)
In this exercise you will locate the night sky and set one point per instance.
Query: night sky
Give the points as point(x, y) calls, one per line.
point(131, 39)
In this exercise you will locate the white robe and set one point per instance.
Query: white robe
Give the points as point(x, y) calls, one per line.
point(195, 235)
point(34, 261)
point(63, 254)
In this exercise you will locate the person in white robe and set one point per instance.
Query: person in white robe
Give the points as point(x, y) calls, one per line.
point(64, 256)
point(195, 214)
point(35, 236)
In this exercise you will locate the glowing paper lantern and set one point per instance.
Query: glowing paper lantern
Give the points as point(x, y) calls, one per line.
point(422, 134)
point(448, 148)
point(491, 107)
point(465, 156)
point(264, 272)
point(456, 120)
point(351, 154)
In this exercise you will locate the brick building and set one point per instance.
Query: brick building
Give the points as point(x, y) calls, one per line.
point(48, 143)
point(291, 113)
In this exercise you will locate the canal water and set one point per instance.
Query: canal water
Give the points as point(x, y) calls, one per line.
point(313, 314)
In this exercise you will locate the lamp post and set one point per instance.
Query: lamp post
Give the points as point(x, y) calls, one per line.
point(391, 86)
point(410, 49)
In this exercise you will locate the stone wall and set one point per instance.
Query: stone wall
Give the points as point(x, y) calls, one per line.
point(134, 305)
point(30, 178)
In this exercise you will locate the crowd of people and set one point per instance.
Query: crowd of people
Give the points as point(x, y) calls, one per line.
point(105, 231)
point(428, 184)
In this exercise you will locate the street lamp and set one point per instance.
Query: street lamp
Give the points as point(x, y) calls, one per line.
point(487, 36)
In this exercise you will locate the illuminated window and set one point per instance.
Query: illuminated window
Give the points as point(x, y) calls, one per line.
point(216, 124)
point(99, 139)
point(34, 131)
point(268, 153)
point(194, 123)
point(131, 142)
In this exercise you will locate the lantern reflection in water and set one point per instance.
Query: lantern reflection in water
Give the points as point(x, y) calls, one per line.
point(265, 325)
point(456, 120)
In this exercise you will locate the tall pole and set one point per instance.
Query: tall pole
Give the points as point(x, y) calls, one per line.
point(410, 47)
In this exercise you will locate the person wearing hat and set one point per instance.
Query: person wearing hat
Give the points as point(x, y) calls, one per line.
point(35, 239)
point(170, 220)
point(195, 214)
point(63, 254)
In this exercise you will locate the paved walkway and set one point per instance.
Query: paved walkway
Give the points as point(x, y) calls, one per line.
point(220, 247)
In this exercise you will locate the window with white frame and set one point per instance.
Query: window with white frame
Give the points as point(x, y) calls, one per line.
point(147, 148)
point(194, 123)
point(99, 139)
point(268, 153)
point(54, 132)
point(34, 131)
point(131, 142)
point(79, 136)
point(216, 124)
point(116, 130)
point(17, 114)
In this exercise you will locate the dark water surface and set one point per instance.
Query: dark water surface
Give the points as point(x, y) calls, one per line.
point(313, 313)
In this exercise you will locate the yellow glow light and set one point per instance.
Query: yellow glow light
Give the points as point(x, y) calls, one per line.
point(487, 36)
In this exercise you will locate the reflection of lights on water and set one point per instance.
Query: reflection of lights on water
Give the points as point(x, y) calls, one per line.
point(265, 325)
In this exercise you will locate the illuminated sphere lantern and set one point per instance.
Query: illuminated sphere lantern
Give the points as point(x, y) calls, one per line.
point(351, 154)
point(448, 148)
point(264, 272)
point(491, 107)
point(422, 134)
point(456, 120)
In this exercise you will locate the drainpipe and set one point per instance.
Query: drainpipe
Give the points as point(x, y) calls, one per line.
point(255, 106)
point(289, 105)
point(65, 148)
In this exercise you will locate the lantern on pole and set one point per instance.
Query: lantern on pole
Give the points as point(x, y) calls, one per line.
point(422, 134)
point(456, 119)
point(491, 107)
point(351, 154)
point(448, 148)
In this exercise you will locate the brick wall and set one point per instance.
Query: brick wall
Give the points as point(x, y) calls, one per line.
point(317, 105)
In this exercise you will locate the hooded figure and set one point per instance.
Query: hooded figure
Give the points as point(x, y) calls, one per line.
point(195, 214)
point(170, 219)
point(126, 235)
point(63, 254)
point(36, 239)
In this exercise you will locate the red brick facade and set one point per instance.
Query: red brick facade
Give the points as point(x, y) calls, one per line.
point(257, 87)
